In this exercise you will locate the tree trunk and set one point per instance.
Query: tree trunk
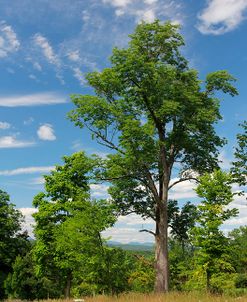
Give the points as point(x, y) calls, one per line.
point(68, 287)
point(161, 249)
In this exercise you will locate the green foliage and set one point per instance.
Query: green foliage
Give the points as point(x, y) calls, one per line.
point(141, 279)
point(151, 109)
point(23, 283)
point(222, 282)
point(181, 257)
point(241, 281)
point(12, 241)
point(107, 273)
point(238, 243)
point(212, 254)
point(68, 222)
point(181, 221)
point(239, 169)
point(150, 103)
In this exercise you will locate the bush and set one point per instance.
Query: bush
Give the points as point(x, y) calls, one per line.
point(222, 282)
point(241, 281)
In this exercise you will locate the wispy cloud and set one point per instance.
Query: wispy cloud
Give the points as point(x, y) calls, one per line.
point(147, 10)
point(27, 170)
point(9, 42)
point(4, 125)
point(37, 181)
point(79, 76)
point(221, 16)
point(47, 50)
point(28, 121)
point(74, 56)
point(12, 142)
point(46, 132)
point(46, 98)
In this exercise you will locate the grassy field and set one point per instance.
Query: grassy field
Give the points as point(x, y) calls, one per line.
point(171, 297)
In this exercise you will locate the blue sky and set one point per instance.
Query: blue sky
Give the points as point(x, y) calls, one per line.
point(46, 47)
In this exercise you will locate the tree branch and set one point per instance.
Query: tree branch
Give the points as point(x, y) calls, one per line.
point(148, 231)
point(181, 180)
point(106, 143)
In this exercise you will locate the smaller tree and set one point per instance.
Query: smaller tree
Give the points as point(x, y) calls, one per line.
point(212, 253)
point(23, 283)
point(239, 169)
point(13, 242)
point(238, 242)
point(69, 222)
point(181, 221)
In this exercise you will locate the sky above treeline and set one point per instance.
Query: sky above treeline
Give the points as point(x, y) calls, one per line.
point(47, 46)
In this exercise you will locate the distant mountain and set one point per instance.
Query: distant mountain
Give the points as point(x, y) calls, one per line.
point(133, 246)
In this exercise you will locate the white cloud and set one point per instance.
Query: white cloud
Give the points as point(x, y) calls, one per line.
point(74, 56)
point(37, 66)
point(127, 229)
point(147, 15)
point(46, 132)
point(12, 142)
point(47, 49)
point(99, 190)
point(46, 98)
point(117, 3)
point(4, 125)
point(150, 1)
point(8, 40)
point(29, 220)
point(79, 76)
point(27, 170)
point(147, 10)
point(38, 181)
point(137, 220)
point(183, 189)
point(221, 16)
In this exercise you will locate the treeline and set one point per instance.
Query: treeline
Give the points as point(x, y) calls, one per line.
point(69, 257)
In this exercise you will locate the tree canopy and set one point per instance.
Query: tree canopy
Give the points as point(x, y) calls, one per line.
point(154, 112)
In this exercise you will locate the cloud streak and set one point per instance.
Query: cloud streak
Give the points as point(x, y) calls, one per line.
point(9, 42)
point(27, 170)
point(47, 50)
point(11, 142)
point(46, 98)
point(4, 125)
point(221, 16)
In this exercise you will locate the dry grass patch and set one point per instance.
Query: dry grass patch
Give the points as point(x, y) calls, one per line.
point(171, 297)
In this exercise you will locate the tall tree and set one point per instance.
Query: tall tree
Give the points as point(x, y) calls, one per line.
point(153, 112)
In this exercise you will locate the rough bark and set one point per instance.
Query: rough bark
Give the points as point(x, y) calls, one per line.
point(161, 245)
point(68, 287)
point(161, 255)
